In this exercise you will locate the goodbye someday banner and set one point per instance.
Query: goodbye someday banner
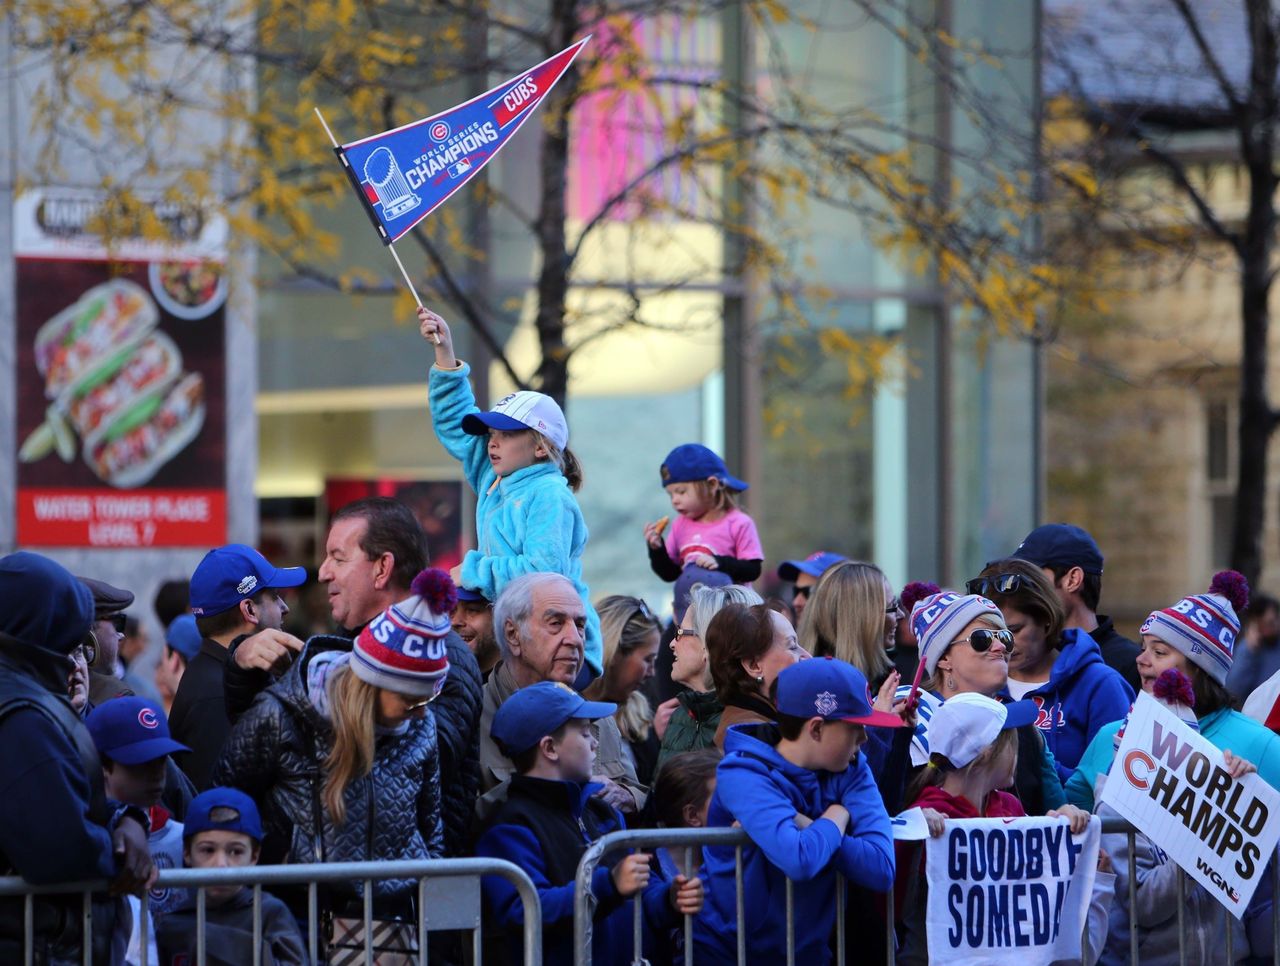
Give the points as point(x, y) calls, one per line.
point(1173, 786)
point(1010, 891)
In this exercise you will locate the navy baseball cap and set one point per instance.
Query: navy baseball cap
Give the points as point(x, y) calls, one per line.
point(824, 687)
point(183, 636)
point(534, 712)
point(1061, 545)
point(222, 810)
point(815, 565)
point(131, 730)
point(234, 573)
point(693, 462)
point(471, 596)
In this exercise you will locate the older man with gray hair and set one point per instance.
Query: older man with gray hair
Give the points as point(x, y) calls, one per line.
point(539, 621)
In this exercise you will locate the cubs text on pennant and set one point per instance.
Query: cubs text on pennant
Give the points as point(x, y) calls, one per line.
point(404, 174)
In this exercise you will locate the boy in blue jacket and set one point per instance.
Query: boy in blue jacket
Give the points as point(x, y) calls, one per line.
point(550, 817)
point(803, 792)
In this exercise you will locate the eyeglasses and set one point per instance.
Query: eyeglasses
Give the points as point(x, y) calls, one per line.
point(893, 607)
point(685, 632)
point(1000, 584)
point(89, 650)
point(982, 639)
point(118, 621)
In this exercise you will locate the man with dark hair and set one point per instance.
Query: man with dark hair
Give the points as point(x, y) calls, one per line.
point(233, 595)
point(173, 597)
point(1071, 558)
point(1259, 657)
point(374, 550)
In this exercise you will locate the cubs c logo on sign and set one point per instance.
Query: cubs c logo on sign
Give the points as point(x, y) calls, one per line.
point(147, 718)
point(826, 703)
point(439, 131)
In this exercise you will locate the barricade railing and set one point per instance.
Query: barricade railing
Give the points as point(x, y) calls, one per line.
point(448, 898)
point(682, 842)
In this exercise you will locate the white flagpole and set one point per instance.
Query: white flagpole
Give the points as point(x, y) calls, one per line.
point(390, 245)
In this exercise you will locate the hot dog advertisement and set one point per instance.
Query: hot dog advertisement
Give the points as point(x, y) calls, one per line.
point(121, 427)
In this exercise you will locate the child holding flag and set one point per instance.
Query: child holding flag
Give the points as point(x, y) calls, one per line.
point(516, 459)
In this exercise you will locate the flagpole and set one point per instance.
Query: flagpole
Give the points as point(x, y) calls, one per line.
point(391, 245)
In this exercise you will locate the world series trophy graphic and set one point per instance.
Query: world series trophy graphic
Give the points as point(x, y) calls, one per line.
point(394, 193)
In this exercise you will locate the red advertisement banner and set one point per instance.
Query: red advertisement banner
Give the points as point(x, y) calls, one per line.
point(130, 518)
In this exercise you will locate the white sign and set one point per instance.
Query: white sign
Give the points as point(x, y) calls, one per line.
point(1173, 786)
point(1009, 890)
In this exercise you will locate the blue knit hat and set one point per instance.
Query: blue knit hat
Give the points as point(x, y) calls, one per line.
point(937, 620)
point(403, 648)
point(1204, 626)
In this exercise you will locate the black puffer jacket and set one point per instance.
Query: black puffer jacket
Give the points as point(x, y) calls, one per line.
point(457, 714)
point(392, 813)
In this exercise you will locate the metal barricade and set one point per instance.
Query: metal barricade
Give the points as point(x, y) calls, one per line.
point(448, 899)
point(681, 842)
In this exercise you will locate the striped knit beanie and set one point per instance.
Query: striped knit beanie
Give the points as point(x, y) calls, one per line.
point(939, 618)
point(403, 648)
point(1204, 626)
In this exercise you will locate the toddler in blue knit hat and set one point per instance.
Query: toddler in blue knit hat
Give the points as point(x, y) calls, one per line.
point(709, 531)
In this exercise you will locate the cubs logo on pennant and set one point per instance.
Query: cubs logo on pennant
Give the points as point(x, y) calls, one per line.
point(404, 174)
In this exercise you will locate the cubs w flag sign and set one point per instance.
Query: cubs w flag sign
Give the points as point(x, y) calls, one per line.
point(404, 174)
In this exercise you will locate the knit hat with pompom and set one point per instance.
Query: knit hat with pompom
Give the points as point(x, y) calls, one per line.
point(1204, 626)
point(403, 648)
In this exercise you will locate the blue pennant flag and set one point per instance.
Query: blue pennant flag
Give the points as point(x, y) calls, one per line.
point(404, 174)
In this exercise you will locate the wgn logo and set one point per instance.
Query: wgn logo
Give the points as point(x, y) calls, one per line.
point(1217, 880)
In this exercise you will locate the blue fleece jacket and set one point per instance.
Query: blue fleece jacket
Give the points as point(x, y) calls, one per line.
point(1226, 729)
point(1082, 695)
point(763, 791)
point(612, 939)
point(529, 522)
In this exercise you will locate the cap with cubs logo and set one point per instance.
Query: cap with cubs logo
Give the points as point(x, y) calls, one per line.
point(522, 410)
point(131, 730)
point(823, 687)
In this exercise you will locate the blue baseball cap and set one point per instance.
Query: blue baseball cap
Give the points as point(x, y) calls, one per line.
point(131, 730)
point(222, 810)
point(1061, 545)
point(183, 636)
point(691, 577)
point(234, 573)
point(824, 687)
point(693, 462)
point(521, 410)
point(471, 596)
point(534, 712)
point(815, 565)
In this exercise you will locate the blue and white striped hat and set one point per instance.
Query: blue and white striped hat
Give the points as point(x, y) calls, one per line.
point(939, 618)
point(1204, 626)
point(403, 648)
point(522, 410)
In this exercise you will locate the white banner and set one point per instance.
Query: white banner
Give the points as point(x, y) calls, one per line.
point(1173, 786)
point(1009, 890)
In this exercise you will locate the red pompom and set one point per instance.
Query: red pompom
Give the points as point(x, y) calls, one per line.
point(1175, 687)
point(437, 588)
point(1231, 585)
point(915, 592)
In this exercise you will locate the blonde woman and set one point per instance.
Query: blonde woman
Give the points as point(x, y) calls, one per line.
point(630, 635)
point(852, 615)
point(340, 753)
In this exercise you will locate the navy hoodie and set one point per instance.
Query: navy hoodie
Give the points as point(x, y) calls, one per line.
point(763, 791)
point(1082, 695)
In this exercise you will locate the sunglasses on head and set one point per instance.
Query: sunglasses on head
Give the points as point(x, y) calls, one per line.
point(643, 610)
point(999, 584)
point(982, 639)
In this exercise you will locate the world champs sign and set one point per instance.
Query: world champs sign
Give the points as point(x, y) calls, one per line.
point(404, 174)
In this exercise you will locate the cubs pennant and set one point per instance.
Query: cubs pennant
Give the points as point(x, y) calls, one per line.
point(403, 175)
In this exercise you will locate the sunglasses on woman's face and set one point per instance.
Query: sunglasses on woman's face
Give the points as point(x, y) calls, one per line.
point(982, 639)
point(999, 584)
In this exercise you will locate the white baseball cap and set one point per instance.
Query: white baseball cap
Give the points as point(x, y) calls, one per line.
point(968, 723)
point(522, 410)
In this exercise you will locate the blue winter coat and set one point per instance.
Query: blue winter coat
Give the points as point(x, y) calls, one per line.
point(763, 791)
point(530, 522)
point(1082, 695)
